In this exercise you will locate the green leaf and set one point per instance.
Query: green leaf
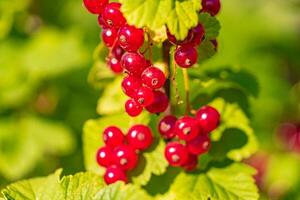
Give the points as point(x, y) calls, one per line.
point(178, 15)
point(233, 182)
point(211, 25)
point(205, 51)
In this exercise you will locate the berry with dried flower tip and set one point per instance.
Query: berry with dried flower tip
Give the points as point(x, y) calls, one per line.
point(153, 77)
point(166, 127)
point(187, 128)
point(133, 63)
point(133, 108)
point(130, 38)
point(113, 16)
point(199, 145)
point(144, 96)
point(125, 157)
point(186, 56)
point(176, 154)
point(139, 137)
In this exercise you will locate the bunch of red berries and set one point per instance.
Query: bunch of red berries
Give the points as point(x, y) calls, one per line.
point(120, 152)
point(189, 136)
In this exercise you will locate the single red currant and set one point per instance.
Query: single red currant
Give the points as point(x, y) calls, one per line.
point(187, 128)
point(176, 154)
point(186, 56)
point(198, 34)
point(109, 36)
point(104, 156)
point(117, 52)
point(114, 174)
point(130, 38)
point(144, 96)
point(174, 41)
point(101, 22)
point(113, 136)
point(133, 63)
point(139, 137)
point(95, 6)
point(130, 85)
point(191, 163)
point(199, 145)
point(113, 16)
point(166, 127)
point(160, 103)
point(153, 77)
point(211, 6)
point(208, 118)
point(115, 65)
point(133, 108)
point(125, 157)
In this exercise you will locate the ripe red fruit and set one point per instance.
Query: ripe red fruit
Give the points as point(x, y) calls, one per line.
point(95, 6)
point(174, 41)
point(101, 22)
point(208, 118)
point(187, 128)
point(191, 163)
point(153, 77)
point(144, 96)
point(176, 154)
point(199, 145)
point(125, 157)
point(139, 137)
point(113, 16)
point(115, 65)
point(104, 156)
point(166, 127)
point(109, 36)
point(117, 52)
point(130, 85)
point(186, 56)
point(211, 6)
point(198, 34)
point(130, 38)
point(160, 103)
point(133, 108)
point(114, 174)
point(113, 136)
point(133, 63)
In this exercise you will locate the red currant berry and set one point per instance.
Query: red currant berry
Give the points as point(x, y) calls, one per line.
point(174, 41)
point(109, 36)
point(133, 63)
point(198, 34)
point(113, 136)
point(139, 137)
point(125, 157)
point(104, 156)
point(176, 154)
point(132, 108)
point(115, 65)
point(130, 38)
point(166, 127)
point(114, 174)
point(208, 118)
point(95, 6)
point(144, 96)
point(191, 163)
point(159, 104)
point(117, 52)
point(211, 6)
point(101, 22)
point(199, 145)
point(186, 56)
point(187, 128)
point(130, 85)
point(153, 77)
point(113, 16)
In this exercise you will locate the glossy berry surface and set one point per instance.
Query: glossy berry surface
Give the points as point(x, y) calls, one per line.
point(186, 56)
point(114, 174)
point(117, 52)
point(208, 118)
point(133, 108)
point(166, 127)
point(109, 36)
point(174, 41)
point(115, 65)
point(211, 6)
point(153, 77)
point(130, 38)
point(187, 128)
point(139, 137)
point(144, 96)
point(159, 104)
point(125, 157)
point(198, 34)
point(113, 136)
point(199, 145)
point(191, 163)
point(133, 63)
point(113, 16)
point(101, 22)
point(176, 154)
point(130, 85)
point(95, 6)
point(104, 156)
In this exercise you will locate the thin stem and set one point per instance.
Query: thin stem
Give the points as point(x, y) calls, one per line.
point(167, 86)
point(187, 91)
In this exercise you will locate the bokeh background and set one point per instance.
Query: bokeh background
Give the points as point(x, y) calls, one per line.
point(46, 57)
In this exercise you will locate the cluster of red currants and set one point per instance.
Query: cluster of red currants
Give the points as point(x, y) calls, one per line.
point(120, 152)
point(188, 136)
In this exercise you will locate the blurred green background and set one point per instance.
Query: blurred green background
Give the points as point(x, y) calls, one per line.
point(46, 49)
